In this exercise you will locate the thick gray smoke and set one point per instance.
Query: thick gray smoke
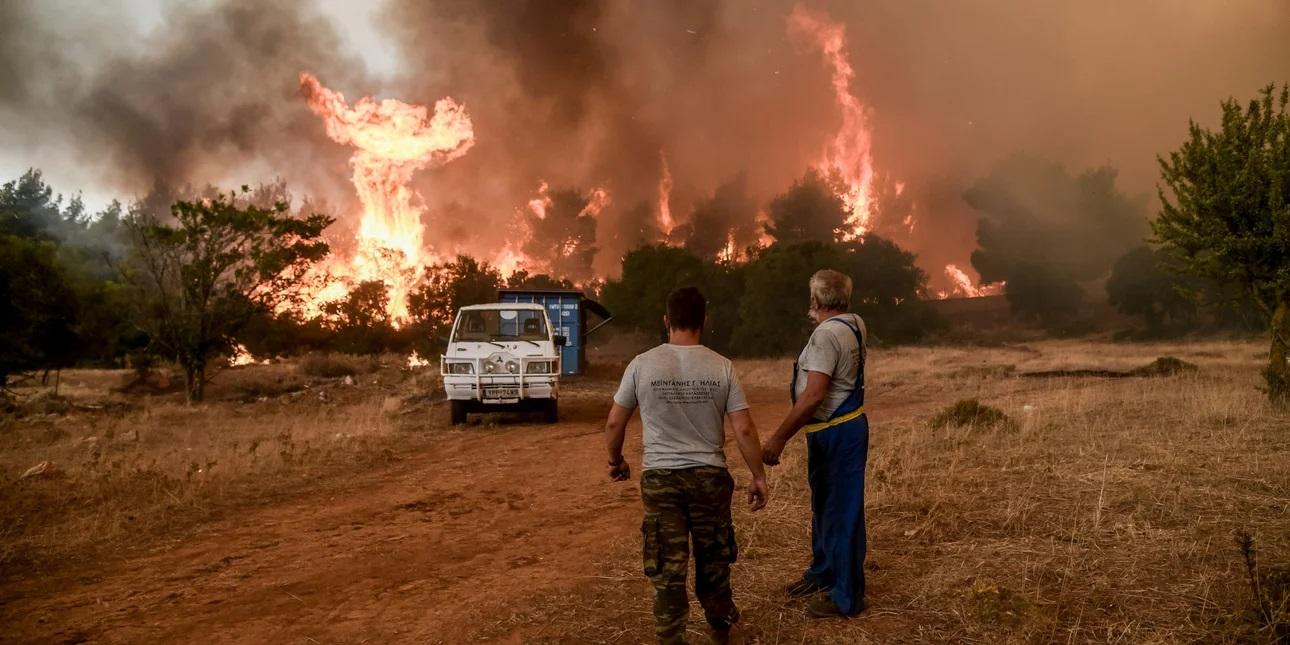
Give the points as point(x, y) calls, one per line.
point(589, 94)
point(211, 97)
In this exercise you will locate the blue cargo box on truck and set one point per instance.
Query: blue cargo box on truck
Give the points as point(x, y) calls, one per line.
point(568, 311)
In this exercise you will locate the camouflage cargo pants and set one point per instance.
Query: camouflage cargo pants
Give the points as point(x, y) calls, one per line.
point(690, 504)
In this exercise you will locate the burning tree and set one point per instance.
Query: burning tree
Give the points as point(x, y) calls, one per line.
point(203, 276)
point(563, 231)
point(811, 211)
point(392, 140)
point(1229, 217)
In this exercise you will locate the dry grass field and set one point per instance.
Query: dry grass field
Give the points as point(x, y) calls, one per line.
point(302, 507)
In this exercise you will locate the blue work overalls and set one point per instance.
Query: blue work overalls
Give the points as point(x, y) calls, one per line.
point(836, 453)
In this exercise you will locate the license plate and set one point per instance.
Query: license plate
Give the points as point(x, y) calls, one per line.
point(502, 392)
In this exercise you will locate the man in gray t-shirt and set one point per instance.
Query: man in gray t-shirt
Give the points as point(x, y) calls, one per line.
point(685, 392)
point(832, 350)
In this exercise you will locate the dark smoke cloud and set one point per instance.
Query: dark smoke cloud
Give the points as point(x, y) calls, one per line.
point(1035, 213)
point(588, 94)
point(211, 96)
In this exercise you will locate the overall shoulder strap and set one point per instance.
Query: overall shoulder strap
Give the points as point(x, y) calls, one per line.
point(855, 329)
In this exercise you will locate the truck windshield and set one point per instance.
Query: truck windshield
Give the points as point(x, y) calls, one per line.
point(501, 325)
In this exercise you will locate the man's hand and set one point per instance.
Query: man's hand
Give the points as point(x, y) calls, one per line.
point(771, 450)
point(758, 493)
point(619, 471)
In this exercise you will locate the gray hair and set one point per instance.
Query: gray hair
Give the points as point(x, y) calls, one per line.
point(831, 290)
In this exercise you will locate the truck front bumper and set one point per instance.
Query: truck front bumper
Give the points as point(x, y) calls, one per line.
point(501, 389)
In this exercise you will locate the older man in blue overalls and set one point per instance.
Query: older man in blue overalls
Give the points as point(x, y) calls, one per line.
point(828, 404)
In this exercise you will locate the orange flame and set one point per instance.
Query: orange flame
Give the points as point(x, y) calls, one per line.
point(964, 287)
point(509, 260)
point(392, 141)
point(665, 221)
point(847, 157)
point(542, 202)
point(599, 201)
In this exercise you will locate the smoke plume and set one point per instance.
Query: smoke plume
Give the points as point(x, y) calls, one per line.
point(593, 95)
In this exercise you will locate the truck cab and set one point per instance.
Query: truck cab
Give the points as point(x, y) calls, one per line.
point(502, 356)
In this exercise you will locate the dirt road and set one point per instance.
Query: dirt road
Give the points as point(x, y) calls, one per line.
point(431, 549)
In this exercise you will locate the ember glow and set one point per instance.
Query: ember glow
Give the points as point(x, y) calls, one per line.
point(392, 141)
point(847, 157)
point(241, 356)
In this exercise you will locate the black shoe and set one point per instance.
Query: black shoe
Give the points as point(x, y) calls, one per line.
point(721, 627)
point(724, 624)
point(803, 588)
point(824, 607)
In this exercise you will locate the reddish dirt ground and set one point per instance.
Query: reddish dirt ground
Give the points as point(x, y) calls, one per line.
point(426, 550)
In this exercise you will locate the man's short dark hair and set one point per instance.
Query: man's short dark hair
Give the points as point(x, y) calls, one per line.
point(686, 309)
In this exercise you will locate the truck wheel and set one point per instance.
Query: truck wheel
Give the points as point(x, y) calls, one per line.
point(458, 413)
point(551, 411)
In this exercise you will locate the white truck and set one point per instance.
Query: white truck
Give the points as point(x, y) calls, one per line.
point(502, 356)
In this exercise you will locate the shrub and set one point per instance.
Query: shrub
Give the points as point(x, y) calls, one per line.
point(326, 366)
point(971, 413)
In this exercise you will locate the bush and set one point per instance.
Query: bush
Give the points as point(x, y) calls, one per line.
point(1141, 285)
point(650, 273)
point(972, 414)
point(1164, 366)
point(326, 366)
point(1043, 295)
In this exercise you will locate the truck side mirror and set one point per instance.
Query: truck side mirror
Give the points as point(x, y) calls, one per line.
point(561, 341)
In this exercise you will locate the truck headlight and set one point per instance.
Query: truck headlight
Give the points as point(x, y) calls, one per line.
point(539, 367)
point(512, 367)
point(461, 368)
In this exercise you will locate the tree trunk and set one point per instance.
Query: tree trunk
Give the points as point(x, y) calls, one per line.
point(194, 382)
point(1278, 374)
point(190, 377)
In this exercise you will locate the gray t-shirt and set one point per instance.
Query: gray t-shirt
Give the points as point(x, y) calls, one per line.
point(684, 393)
point(832, 350)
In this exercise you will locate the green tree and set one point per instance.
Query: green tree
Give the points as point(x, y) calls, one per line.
point(446, 288)
point(202, 276)
point(886, 289)
point(1043, 294)
point(639, 297)
point(360, 322)
point(810, 211)
point(38, 309)
point(1227, 213)
point(1142, 285)
point(28, 207)
point(522, 279)
point(773, 318)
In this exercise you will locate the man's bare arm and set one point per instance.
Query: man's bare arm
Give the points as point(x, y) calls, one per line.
point(750, 447)
point(615, 434)
point(817, 386)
